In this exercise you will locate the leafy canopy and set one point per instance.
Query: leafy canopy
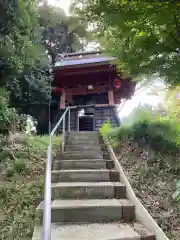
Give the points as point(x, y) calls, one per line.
point(22, 56)
point(31, 33)
point(60, 33)
point(144, 35)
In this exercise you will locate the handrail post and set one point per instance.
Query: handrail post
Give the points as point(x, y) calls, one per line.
point(69, 121)
point(47, 199)
point(63, 135)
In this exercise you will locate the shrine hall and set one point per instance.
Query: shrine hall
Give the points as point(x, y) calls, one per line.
point(92, 83)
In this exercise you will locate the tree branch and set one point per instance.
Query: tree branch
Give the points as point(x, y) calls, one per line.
point(177, 24)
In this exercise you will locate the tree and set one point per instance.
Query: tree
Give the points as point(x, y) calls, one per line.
point(23, 61)
point(144, 35)
point(30, 32)
point(60, 33)
point(20, 46)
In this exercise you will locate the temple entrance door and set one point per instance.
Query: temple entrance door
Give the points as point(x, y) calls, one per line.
point(86, 123)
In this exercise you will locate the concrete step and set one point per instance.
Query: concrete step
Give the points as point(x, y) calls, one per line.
point(82, 142)
point(84, 133)
point(83, 164)
point(143, 231)
point(79, 147)
point(83, 137)
point(90, 190)
point(91, 231)
point(90, 154)
point(84, 175)
point(89, 210)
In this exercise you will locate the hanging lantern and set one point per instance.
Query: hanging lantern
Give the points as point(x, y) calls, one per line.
point(117, 83)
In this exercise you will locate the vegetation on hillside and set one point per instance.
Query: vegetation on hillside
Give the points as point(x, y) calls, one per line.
point(148, 147)
point(21, 184)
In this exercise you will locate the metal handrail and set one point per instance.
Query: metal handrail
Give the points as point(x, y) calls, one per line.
point(47, 191)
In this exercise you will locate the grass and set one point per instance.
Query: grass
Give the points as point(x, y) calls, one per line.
point(21, 185)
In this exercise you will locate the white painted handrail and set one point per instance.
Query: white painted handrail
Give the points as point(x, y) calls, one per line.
point(47, 190)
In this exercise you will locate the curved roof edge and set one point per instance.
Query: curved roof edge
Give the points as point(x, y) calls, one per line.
point(80, 53)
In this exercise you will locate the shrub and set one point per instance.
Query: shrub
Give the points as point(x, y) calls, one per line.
point(105, 129)
point(8, 116)
point(148, 129)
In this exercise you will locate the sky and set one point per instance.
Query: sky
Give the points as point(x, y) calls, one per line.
point(64, 4)
point(143, 96)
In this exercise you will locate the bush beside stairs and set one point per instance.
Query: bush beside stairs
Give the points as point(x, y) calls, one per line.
point(89, 202)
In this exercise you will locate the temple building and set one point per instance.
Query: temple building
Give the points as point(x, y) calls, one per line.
point(91, 82)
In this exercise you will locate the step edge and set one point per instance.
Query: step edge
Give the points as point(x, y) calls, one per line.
point(87, 184)
point(83, 170)
point(58, 204)
point(85, 160)
point(137, 236)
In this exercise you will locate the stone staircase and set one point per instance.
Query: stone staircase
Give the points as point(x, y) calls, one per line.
point(89, 202)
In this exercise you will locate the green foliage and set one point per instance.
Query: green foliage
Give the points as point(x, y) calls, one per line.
point(8, 116)
point(108, 134)
point(10, 119)
point(142, 113)
point(145, 127)
point(40, 143)
point(23, 60)
point(105, 129)
point(19, 166)
point(172, 101)
point(60, 33)
point(22, 166)
point(23, 200)
point(143, 34)
point(19, 46)
point(31, 33)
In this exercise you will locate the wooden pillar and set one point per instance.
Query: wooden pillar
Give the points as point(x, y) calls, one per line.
point(111, 97)
point(63, 100)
